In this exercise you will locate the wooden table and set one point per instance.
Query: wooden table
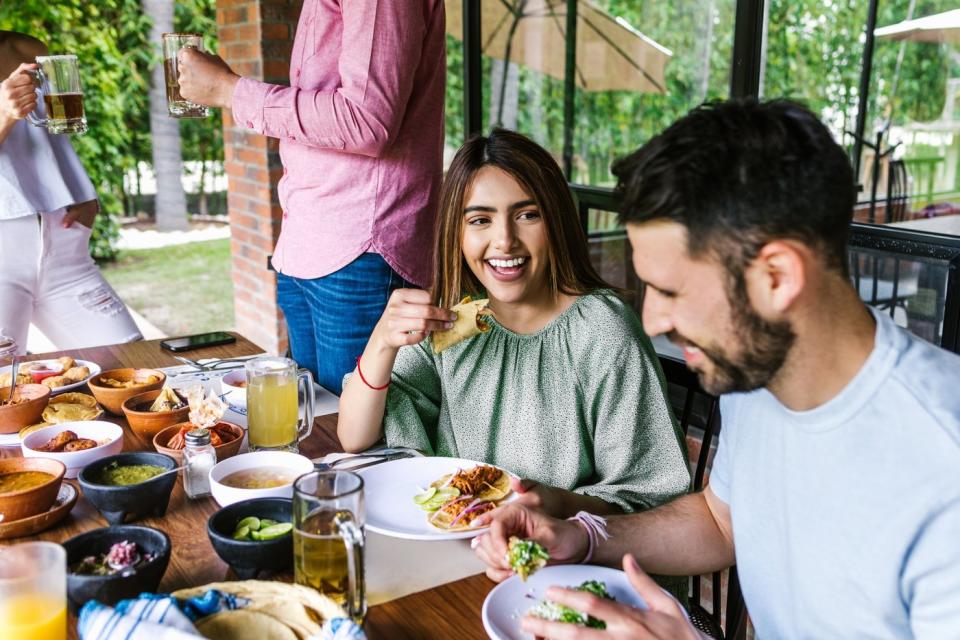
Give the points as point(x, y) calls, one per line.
point(448, 611)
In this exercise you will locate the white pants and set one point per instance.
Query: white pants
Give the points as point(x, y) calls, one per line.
point(47, 277)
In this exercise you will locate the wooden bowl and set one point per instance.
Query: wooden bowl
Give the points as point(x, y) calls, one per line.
point(15, 505)
point(113, 398)
point(147, 424)
point(28, 410)
point(224, 451)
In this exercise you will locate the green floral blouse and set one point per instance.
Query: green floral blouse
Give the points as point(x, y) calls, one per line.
point(578, 405)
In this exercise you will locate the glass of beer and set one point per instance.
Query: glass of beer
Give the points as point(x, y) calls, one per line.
point(58, 80)
point(173, 43)
point(274, 389)
point(33, 592)
point(328, 537)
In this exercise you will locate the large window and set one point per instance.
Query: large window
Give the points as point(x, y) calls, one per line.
point(640, 66)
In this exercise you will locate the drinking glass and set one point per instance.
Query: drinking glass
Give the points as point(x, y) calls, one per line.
point(173, 43)
point(273, 407)
point(58, 80)
point(328, 537)
point(33, 592)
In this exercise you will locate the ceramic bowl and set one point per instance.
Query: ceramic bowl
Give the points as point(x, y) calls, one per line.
point(32, 400)
point(107, 433)
point(15, 505)
point(295, 464)
point(117, 503)
point(111, 589)
point(113, 398)
point(234, 388)
point(224, 451)
point(147, 424)
point(248, 558)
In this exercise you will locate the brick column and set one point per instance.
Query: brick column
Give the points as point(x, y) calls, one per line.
point(256, 37)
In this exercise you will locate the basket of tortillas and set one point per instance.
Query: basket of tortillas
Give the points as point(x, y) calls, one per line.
point(241, 610)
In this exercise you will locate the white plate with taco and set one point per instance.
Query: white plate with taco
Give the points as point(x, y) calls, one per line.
point(512, 599)
point(432, 498)
point(60, 374)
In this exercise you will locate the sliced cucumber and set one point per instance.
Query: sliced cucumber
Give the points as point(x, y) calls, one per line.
point(275, 531)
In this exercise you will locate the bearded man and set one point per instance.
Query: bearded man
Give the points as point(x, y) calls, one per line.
point(834, 487)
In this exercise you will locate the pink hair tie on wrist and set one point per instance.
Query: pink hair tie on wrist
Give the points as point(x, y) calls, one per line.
point(596, 529)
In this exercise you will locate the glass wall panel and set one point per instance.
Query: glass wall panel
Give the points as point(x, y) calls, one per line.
point(915, 102)
point(640, 66)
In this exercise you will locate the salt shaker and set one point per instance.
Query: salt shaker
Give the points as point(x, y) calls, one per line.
point(199, 457)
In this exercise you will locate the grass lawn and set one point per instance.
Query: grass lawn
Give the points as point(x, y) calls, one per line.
point(182, 289)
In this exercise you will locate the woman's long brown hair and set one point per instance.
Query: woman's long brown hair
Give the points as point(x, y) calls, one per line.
point(569, 269)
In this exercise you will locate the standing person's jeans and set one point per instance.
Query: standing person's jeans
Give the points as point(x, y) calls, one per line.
point(330, 319)
point(47, 277)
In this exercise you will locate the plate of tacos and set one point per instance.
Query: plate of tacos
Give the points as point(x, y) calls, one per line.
point(60, 374)
point(432, 498)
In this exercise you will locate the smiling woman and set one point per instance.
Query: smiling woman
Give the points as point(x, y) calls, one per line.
point(563, 390)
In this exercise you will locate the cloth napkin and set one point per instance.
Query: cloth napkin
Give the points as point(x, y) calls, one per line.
point(163, 617)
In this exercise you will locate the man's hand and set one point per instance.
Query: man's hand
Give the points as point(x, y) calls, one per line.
point(664, 619)
point(17, 94)
point(565, 541)
point(539, 497)
point(205, 78)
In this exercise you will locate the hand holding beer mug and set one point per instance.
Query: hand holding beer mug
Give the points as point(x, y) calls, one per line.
point(58, 80)
point(328, 537)
point(273, 407)
point(177, 106)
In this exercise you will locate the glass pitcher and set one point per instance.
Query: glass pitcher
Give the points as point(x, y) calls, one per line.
point(274, 385)
point(328, 537)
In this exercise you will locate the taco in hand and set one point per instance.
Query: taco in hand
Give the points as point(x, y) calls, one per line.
point(470, 322)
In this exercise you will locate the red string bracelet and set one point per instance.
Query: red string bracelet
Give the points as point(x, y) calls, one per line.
point(365, 380)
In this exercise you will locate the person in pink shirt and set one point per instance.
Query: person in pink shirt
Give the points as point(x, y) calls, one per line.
point(361, 140)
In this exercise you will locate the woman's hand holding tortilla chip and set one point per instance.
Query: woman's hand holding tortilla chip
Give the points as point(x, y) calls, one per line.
point(565, 541)
point(408, 318)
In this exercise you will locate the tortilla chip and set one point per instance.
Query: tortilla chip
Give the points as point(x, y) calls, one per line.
point(469, 322)
point(57, 381)
point(77, 374)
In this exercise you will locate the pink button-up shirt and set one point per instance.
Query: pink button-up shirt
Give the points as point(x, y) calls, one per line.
point(361, 135)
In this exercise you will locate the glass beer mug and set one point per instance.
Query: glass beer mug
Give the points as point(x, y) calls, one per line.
point(328, 537)
point(273, 408)
point(173, 43)
point(58, 80)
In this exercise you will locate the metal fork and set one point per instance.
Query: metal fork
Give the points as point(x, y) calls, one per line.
point(215, 365)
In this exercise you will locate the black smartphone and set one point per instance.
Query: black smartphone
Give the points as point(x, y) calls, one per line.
point(186, 343)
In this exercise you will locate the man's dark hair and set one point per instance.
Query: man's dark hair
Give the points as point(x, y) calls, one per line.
point(739, 174)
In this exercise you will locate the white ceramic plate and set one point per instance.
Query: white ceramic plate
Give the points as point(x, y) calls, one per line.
point(102, 431)
point(508, 602)
point(93, 366)
point(389, 489)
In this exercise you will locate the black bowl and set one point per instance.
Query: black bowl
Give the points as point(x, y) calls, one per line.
point(116, 503)
point(112, 589)
point(248, 558)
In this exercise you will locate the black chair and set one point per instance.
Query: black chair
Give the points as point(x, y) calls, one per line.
point(898, 192)
point(699, 410)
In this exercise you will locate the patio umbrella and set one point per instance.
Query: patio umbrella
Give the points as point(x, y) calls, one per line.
point(940, 27)
point(610, 53)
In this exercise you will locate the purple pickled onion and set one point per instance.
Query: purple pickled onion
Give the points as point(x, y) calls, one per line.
point(454, 501)
point(476, 504)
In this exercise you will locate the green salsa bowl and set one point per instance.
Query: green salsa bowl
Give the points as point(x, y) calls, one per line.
point(125, 487)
